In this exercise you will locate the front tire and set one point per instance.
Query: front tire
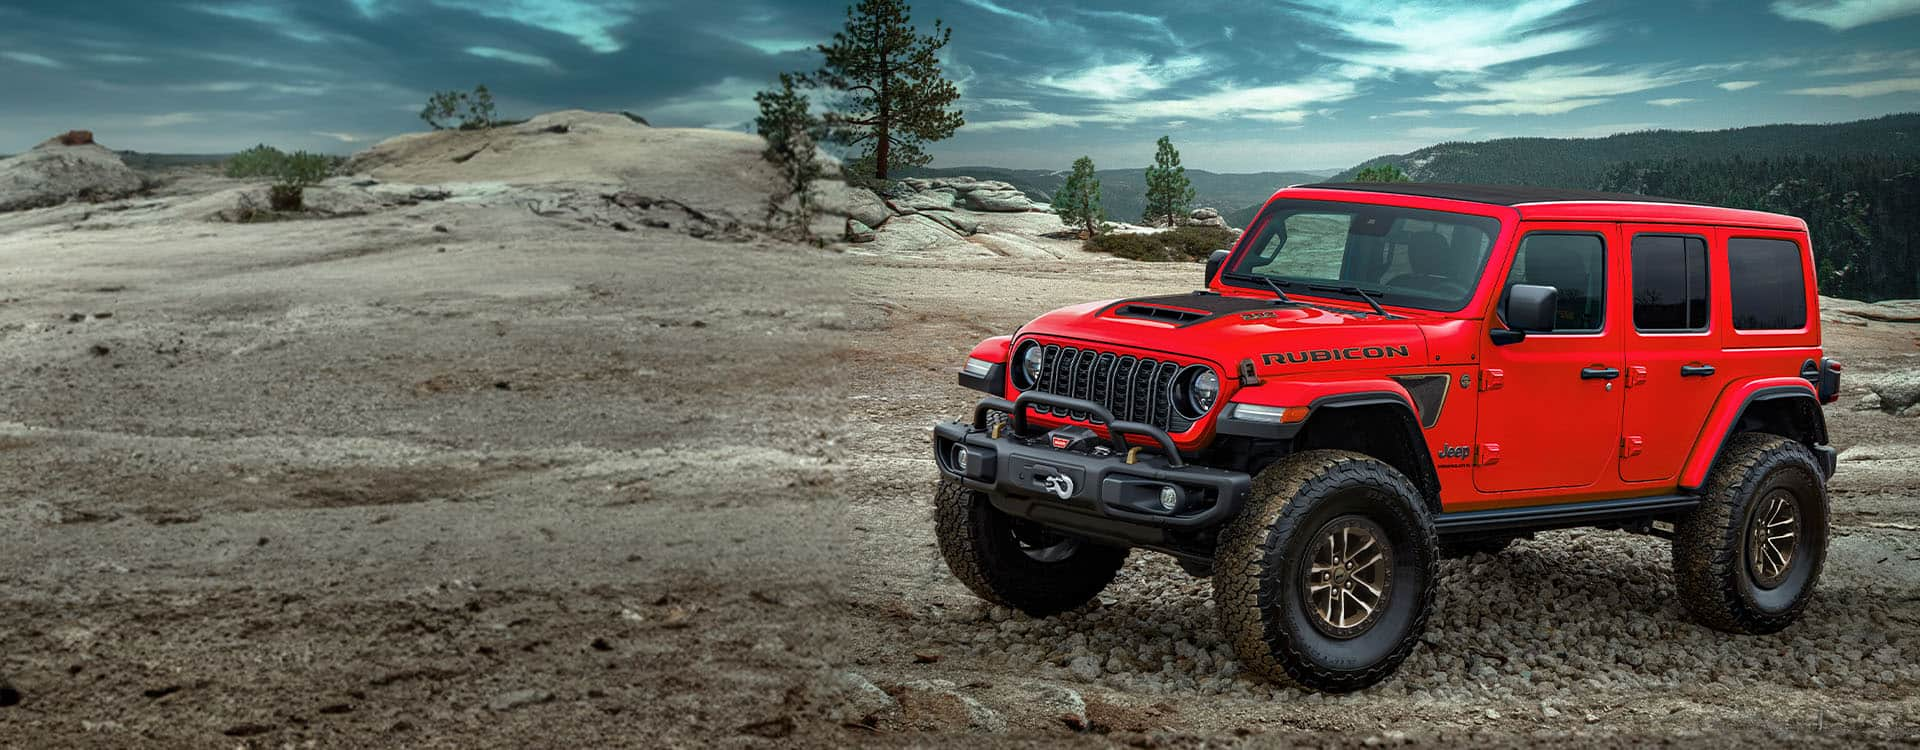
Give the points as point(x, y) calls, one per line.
point(1325, 580)
point(1747, 558)
point(1016, 563)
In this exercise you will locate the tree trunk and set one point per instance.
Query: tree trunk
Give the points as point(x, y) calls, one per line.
point(883, 122)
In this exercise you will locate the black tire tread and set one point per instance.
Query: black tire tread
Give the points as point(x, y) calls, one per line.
point(991, 572)
point(1707, 539)
point(1240, 567)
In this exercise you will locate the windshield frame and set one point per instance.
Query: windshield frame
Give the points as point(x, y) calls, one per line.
point(1299, 286)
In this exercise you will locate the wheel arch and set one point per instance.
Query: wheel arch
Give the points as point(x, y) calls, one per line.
point(1784, 406)
point(1382, 424)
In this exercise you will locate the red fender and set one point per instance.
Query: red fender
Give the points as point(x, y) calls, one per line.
point(992, 350)
point(1726, 413)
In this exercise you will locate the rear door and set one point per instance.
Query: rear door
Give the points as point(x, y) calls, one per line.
point(1673, 364)
point(1550, 404)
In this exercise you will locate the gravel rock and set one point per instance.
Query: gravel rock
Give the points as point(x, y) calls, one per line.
point(519, 698)
point(1085, 667)
point(1065, 704)
point(846, 697)
point(979, 717)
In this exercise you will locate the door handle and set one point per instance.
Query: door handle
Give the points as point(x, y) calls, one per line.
point(1695, 371)
point(1599, 373)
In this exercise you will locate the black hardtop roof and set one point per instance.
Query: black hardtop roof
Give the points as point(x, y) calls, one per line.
point(1499, 195)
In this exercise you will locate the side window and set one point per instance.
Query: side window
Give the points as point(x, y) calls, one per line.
point(1669, 283)
point(1768, 283)
point(1575, 264)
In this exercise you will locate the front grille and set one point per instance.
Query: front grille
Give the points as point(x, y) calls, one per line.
point(1135, 389)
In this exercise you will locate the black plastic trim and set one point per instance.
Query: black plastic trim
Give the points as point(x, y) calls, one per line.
point(1768, 393)
point(993, 384)
point(1560, 516)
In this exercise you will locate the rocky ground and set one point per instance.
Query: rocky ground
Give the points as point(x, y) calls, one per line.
point(581, 460)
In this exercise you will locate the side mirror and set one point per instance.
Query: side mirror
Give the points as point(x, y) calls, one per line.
point(1214, 262)
point(1528, 308)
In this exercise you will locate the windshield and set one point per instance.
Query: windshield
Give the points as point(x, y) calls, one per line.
point(1402, 256)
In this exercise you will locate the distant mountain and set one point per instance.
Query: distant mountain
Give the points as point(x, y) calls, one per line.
point(1124, 191)
point(1583, 162)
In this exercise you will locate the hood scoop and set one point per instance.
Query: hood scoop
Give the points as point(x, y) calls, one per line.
point(1184, 309)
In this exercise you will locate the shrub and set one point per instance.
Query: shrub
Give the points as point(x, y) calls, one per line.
point(260, 161)
point(792, 132)
point(1189, 243)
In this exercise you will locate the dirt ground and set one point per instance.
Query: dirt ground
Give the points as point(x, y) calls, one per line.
point(467, 472)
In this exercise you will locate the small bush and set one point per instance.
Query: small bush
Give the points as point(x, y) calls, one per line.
point(260, 161)
point(474, 110)
point(1189, 243)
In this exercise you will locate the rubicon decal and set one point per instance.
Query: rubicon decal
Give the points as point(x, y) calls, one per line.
point(1333, 355)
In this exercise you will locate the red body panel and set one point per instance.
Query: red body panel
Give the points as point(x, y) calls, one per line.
point(1538, 432)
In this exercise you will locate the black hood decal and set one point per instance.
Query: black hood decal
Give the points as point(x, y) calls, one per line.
point(1186, 309)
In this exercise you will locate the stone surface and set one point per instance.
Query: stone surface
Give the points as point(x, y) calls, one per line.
point(53, 173)
point(997, 200)
point(858, 203)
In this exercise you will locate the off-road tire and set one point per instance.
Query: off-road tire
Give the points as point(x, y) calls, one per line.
point(1710, 543)
point(1261, 559)
point(978, 543)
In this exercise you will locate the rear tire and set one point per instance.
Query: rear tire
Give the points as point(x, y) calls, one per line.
point(1747, 558)
point(1297, 613)
point(1015, 563)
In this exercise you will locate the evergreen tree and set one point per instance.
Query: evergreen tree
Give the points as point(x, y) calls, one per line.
point(792, 132)
point(893, 94)
point(1169, 192)
point(1382, 173)
point(1078, 201)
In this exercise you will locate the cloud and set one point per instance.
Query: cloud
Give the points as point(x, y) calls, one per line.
point(590, 22)
point(1453, 36)
point(1153, 26)
point(1841, 15)
point(1671, 101)
point(507, 55)
point(171, 119)
point(781, 46)
point(1877, 61)
point(1439, 133)
point(1863, 89)
point(1738, 85)
point(29, 58)
point(1288, 102)
point(1405, 113)
point(1001, 10)
point(1557, 89)
point(1042, 120)
point(1126, 80)
point(726, 104)
point(341, 137)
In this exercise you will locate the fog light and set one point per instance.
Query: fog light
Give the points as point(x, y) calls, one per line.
point(1169, 498)
point(959, 458)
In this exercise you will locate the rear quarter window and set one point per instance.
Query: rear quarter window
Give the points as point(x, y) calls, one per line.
point(1768, 282)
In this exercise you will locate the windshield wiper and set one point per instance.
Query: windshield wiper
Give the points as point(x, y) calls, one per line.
point(1271, 282)
point(1355, 291)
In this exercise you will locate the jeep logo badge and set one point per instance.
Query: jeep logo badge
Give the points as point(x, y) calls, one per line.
point(1059, 485)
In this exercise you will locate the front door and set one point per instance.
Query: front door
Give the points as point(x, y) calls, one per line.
point(1550, 404)
point(1671, 379)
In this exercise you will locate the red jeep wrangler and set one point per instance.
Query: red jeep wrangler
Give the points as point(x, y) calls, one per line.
point(1381, 374)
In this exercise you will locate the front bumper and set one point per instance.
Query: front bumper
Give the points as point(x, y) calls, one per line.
point(1113, 490)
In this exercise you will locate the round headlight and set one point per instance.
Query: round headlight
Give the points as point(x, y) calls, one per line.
point(1198, 389)
point(1031, 357)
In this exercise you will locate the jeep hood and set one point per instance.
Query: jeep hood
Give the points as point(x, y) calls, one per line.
point(1288, 339)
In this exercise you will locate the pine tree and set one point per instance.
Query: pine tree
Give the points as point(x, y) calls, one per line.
point(1381, 173)
point(791, 131)
point(1169, 192)
point(1078, 201)
point(894, 96)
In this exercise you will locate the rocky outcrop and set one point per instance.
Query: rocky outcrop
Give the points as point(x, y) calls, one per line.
point(1207, 217)
point(1896, 392)
point(55, 172)
point(977, 195)
point(835, 198)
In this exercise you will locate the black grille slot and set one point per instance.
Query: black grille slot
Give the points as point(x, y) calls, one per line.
point(1135, 389)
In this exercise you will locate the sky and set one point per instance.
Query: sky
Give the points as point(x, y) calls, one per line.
point(1240, 86)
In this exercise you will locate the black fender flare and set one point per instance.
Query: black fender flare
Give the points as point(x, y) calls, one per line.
point(1426, 477)
point(1694, 483)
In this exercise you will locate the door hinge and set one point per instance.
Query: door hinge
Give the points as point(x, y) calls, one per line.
point(1630, 445)
point(1636, 375)
point(1489, 454)
point(1492, 378)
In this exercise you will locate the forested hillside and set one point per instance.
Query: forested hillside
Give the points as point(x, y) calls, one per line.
point(1584, 162)
point(1123, 191)
point(1863, 211)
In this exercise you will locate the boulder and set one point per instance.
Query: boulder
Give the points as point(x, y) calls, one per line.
point(956, 222)
point(858, 231)
point(1207, 217)
point(931, 200)
point(857, 203)
point(850, 698)
point(55, 172)
point(998, 200)
point(919, 235)
point(1898, 391)
point(75, 138)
